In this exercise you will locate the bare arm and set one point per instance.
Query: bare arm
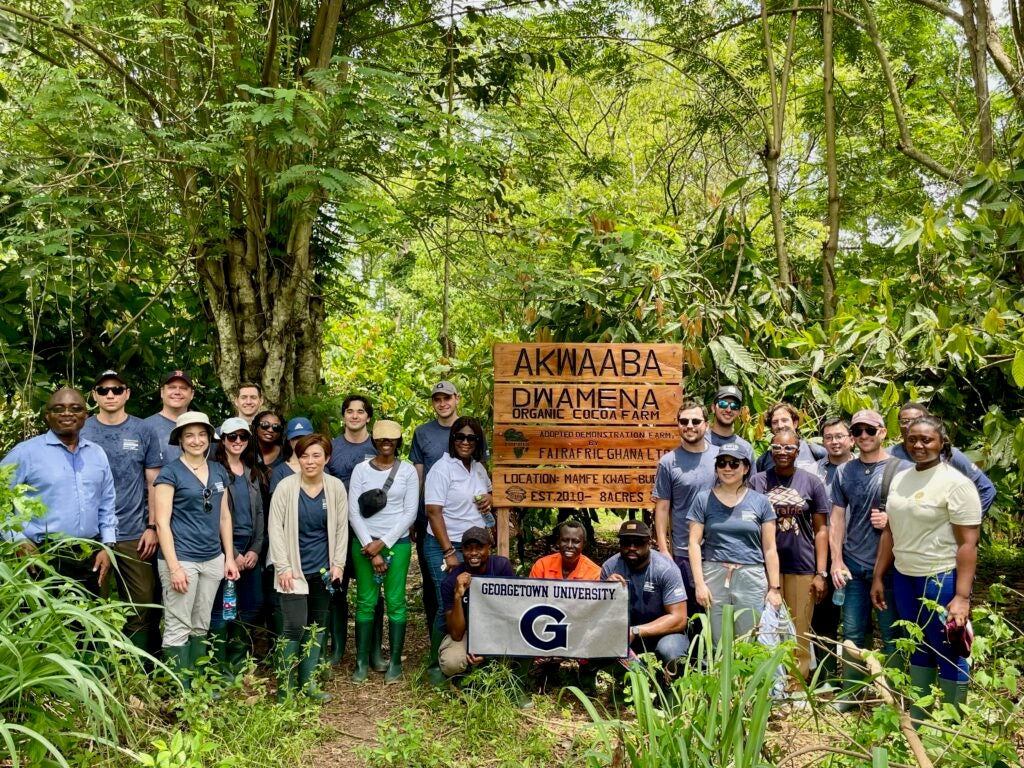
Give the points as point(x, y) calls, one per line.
point(966, 563)
point(836, 537)
point(673, 621)
point(771, 563)
point(702, 594)
point(662, 512)
point(456, 617)
point(227, 539)
point(164, 497)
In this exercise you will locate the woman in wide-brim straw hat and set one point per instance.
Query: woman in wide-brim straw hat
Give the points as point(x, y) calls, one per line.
point(194, 528)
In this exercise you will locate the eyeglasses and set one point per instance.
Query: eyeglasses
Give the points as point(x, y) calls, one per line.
point(237, 437)
point(728, 405)
point(462, 437)
point(207, 493)
point(688, 422)
point(859, 429)
point(108, 390)
point(834, 438)
point(722, 462)
point(395, 439)
point(776, 448)
point(76, 409)
point(272, 427)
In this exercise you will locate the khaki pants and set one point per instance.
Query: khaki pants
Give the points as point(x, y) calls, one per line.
point(188, 613)
point(452, 656)
point(796, 591)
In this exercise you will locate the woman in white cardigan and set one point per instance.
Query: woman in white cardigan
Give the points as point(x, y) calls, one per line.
point(308, 532)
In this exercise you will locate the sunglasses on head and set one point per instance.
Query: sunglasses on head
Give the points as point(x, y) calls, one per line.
point(207, 493)
point(237, 437)
point(776, 448)
point(461, 437)
point(859, 429)
point(727, 461)
point(107, 390)
point(728, 405)
point(688, 422)
point(271, 427)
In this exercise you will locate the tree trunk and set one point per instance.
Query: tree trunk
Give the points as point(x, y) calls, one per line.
point(831, 244)
point(976, 23)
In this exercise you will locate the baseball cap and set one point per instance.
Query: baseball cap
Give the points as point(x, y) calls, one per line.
point(477, 535)
point(300, 426)
point(444, 388)
point(729, 391)
point(171, 376)
point(735, 450)
point(868, 416)
point(634, 529)
point(389, 430)
point(235, 424)
point(109, 374)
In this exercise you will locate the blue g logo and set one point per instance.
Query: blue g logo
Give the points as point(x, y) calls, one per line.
point(545, 635)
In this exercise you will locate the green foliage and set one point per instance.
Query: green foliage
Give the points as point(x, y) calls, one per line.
point(711, 716)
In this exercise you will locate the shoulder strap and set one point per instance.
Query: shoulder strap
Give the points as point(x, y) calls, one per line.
point(391, 475)
point(887, 475)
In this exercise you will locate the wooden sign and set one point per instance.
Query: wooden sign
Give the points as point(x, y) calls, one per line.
point(589, 362)
point(598, 403)
point(556, 445)
point(582, 425)
point(608, 487)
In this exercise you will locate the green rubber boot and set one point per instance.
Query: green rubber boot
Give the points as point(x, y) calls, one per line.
point(218, 639)
point(435, 677)
point(239, 646)
point(364, 638)
point(396, 633)
point(177, 658)
point(954, 693)
point(287, 662)
point(337, 618)
point(139, 638)
point(378, 663)
point(308, 666)
point(847, 699)
point(921, 681)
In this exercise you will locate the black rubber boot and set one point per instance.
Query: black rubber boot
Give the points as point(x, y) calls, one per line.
point(308, 666)
point(435, 677)
point(364, 637)
point(287, 663)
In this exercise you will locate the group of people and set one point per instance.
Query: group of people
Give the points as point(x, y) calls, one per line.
point(264, 522)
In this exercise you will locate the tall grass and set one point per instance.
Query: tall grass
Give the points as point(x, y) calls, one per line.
point(65, 667)
point(714, 714)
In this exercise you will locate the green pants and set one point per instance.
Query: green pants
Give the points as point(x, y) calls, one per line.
point(368, 590)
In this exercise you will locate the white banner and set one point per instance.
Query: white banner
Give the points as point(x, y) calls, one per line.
point(548, 617)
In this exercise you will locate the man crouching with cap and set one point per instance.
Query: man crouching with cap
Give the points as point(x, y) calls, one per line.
point(657, 597)
point(478, 562)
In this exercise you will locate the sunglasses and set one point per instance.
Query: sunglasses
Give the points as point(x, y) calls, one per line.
point(776, 448)
point(723, 462)
point(75, 409)
point(108, 390)
point(859, 429)
point(688, 422)
point(834, 438)
point(272, 427)
point(728, 405)
point(461, 437)
point(207, 494)
point(237, 437)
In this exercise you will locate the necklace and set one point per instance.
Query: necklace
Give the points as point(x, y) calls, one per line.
point(197, 466)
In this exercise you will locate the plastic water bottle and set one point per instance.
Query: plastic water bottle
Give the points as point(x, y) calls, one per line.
point(488, 516)
point(378, 578)
point(229, 607)
point(328, 581)
point(839, 596)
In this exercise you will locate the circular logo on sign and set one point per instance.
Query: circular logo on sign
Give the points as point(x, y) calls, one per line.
point(515, 493)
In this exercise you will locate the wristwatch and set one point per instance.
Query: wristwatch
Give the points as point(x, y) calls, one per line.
point(151, 527)
point(823, 574)
point(634, 631)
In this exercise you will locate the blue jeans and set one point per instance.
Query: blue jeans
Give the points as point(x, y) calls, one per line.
point(857, 609)
point(432, 551)
point(933, 650)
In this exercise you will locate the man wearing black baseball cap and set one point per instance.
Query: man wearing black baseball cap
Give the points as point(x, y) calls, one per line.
point(725, 409)
point(657, 597)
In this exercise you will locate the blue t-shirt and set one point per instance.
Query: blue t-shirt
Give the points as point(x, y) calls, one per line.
point(162, 427)
point(313, 554)
point(131, 447)
point(858, 488)
point(796, 500)
point(651, 588)
point(732, 534)
point(345, 456)
point(242, 523)
point(195, 528)
point(680, 477)
point(281, 471)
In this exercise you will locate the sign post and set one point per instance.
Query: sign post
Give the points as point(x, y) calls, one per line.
point(581, 425)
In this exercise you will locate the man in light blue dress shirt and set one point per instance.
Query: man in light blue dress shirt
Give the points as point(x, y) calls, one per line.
point(72, 477)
